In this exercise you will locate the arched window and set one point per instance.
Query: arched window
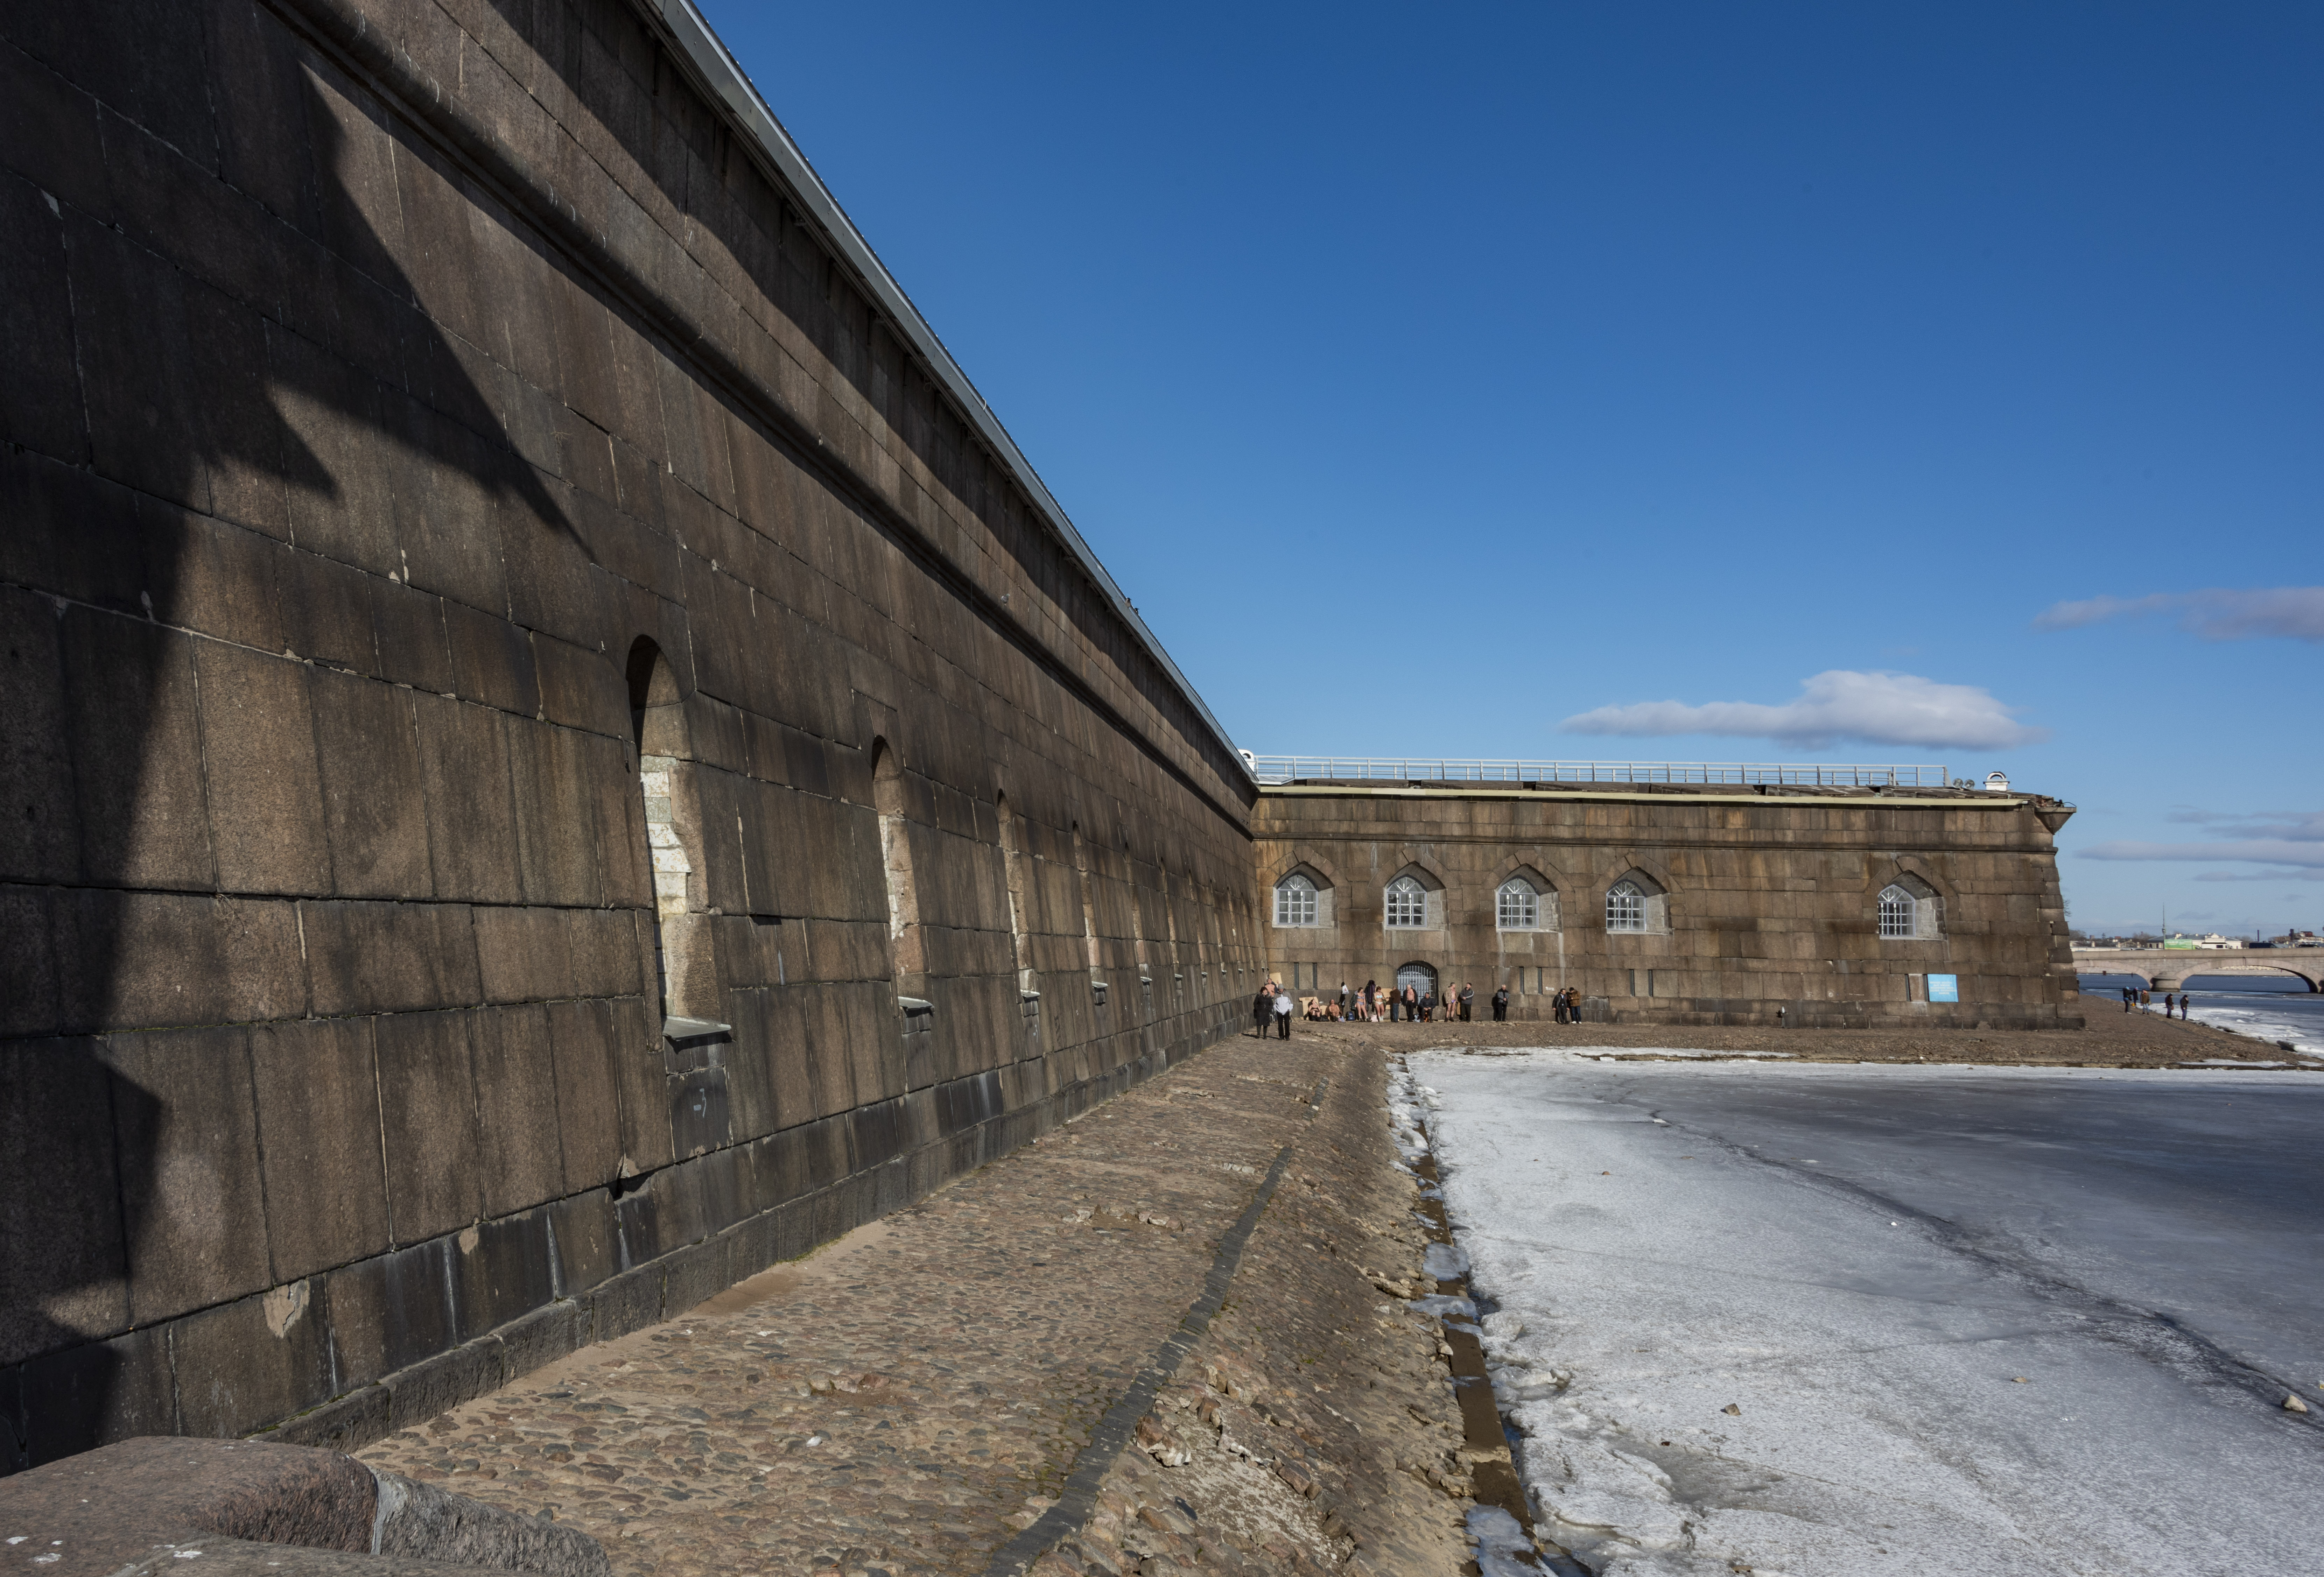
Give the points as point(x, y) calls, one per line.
point(1517, 906)
point(1295, 901)
point(1407, 904)
point(1911, 910)
point(1897, 915)
point(1626, 907)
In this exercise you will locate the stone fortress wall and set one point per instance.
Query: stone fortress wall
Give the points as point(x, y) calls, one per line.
point(553, 754)
point(1753, 900)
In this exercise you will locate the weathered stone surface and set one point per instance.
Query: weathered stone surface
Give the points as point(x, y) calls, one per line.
point(186, 1136)
point(427, 1107)
point(329, 398)
point(1755, 901)
point(63, 1239)
point(424, 1522)
point(317, 1095)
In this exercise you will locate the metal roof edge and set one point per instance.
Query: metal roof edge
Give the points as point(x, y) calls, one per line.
point(1865, 801)
point(730, 87)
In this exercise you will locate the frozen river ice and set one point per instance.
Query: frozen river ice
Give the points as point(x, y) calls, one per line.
point(1847, 1322)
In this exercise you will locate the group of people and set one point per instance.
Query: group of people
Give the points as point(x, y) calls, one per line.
point(2136, 997)
point(1373, 1004)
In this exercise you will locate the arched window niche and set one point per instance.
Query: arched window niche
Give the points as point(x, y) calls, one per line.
point(1910, 911)
point(1412, 901)
point(1303, 899)
point(1525, 901)
point(1636, 904)
point(686, 969)
point(904, 937)
point(1012, 866)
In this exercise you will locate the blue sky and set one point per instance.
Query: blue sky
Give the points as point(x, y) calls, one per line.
point(1748, 383)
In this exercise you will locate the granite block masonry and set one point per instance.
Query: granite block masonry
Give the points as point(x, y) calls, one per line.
point(520, 647)
point(554, 751)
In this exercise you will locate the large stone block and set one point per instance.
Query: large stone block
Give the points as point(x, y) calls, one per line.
point(342, 502)
point(584, 1060)
point(265, 788)
point(492, 661)
point(326, 609)
point(640, 1066)
point(428, 1101)
point(450, 485)
point(471, 812)
point(516, 1101)
point(582, 1233)
point(556, 843)
point(128, 959)
point(186, 1138)
point(87, 1396)
point(390, 958)
point(604, 952)
point(501, 1271)
point(525, 954)
point(388, 1311)
point(133, 713)
point(246, 1364)
point(61, 1225)
point(318, 1092)
point(374, 807)
point(38, 802)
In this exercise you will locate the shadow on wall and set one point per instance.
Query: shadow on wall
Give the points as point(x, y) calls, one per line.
point(275, 370)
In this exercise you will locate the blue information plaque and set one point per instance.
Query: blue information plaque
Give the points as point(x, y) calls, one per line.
point(1945, 987)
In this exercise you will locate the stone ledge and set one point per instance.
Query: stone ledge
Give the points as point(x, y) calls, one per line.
point(160, 1502)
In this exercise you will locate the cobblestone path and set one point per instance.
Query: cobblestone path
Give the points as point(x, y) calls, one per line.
point(908, 1399)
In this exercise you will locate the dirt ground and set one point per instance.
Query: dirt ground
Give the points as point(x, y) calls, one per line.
point(2113, 1038)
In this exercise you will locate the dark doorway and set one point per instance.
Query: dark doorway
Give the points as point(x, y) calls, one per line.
point(1418, 976)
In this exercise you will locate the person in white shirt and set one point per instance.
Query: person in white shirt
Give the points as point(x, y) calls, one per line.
point(1282, 1015)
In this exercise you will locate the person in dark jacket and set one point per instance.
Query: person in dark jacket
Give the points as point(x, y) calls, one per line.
point(1262, 1009)
point(1501, 1006)
point(1468, 1001)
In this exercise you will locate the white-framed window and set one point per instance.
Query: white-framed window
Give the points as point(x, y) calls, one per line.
point(1517, 906)
point(1295, 901)
point(1407, 904)
point(1899, 915)
point(1626, 907)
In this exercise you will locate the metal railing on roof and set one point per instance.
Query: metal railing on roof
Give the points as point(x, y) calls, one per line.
point(1557, 774)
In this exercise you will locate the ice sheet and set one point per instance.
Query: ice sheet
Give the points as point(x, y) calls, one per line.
point(1723, 1357)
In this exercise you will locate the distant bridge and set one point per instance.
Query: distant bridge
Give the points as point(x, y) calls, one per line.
point(2167, 969)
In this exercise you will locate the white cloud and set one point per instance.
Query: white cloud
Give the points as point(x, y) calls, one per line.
point(1873, 708)
point(2294, 612)
point(2292, 838)
point(2264, 850)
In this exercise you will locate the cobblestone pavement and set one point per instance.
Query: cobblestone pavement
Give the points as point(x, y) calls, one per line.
point(908, 1399)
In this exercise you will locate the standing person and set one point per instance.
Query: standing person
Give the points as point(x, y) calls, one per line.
point(2125, 999)
point(1261, 1005)
point(1501, 1006)
point(2183, 1006)
point(1344, 1002)
point(1557, 1006)
point(1282, 1015)
point(1371, 997)
point(1468, 1000)
point(2145, 1001)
